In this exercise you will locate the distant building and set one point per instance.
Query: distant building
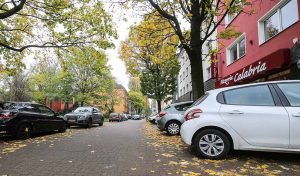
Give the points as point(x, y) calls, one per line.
point(184, 79)
point(184, 88)
point(122, 99)
point(59, 105)
point(153, 106)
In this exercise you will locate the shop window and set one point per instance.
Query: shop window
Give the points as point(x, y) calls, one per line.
point(236, 50)
point(282, 16)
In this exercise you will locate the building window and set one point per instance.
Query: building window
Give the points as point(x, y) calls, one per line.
point(180, 78)
point(187, 88)
point(282, 16)
point(236, 50)
point(180, 92)
point(229, 18)
point(208, 71)
point(183, 90)
point(183, 75)
point(187, 71)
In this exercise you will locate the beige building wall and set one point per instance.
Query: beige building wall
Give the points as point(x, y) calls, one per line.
point(122, 99)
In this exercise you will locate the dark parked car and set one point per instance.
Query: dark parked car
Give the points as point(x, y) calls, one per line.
point(22, 119)
point(85, 116)
point(115, 117)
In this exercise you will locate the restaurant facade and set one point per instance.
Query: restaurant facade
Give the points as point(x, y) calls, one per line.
point(268, 48)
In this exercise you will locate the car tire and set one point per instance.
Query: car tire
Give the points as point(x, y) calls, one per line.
point(89, 123)
point(23, 131)
point(101, 122)
point(212, 144)
point(63, 128)
point(173, 128)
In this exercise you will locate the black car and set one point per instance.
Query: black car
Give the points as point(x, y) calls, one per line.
point(85, 116)
point(22, 119)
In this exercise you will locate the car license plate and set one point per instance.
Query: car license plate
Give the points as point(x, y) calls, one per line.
point(72, 120)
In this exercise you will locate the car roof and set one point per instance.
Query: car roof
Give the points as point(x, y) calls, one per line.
point(252, 84)
point(180, 103)
point(15, 102)
point(86, 107)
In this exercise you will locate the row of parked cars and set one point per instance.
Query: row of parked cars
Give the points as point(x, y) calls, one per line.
point(260, 116)
point(22, 119)
point(123, 117)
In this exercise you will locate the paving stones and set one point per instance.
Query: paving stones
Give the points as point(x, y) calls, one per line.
point(129, 148)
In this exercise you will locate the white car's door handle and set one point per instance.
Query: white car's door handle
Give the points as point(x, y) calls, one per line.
point(235, 112)
point(296, 115)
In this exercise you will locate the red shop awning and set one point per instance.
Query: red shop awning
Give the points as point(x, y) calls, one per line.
point(276, 61)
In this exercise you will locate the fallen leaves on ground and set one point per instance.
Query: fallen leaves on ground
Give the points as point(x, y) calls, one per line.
point(14, 145)
point(172, 152)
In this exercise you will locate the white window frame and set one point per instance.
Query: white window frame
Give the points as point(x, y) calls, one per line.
point(227, 21)
point(229, 60)
point(276, 8)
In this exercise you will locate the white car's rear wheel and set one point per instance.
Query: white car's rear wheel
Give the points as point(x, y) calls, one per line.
point(212, 144)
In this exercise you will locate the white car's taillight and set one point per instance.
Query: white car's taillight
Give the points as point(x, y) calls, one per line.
point(195, 113)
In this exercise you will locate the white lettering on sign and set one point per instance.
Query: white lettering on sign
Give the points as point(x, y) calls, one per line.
point(226, 81)
point(251, 71)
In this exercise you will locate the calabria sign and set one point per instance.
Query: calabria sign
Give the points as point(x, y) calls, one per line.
point(276, 60)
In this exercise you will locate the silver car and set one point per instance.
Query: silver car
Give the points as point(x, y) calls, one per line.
point(85, 116)
point(171, 118)
point(136, 117)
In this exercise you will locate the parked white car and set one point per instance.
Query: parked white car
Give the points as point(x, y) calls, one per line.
point(260, 116)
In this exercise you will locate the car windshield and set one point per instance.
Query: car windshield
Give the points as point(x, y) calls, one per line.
point(113, 114)
point(82, 109)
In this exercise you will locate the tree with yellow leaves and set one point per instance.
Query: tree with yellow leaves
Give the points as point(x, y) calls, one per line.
point(150, 53)
point(193, 22)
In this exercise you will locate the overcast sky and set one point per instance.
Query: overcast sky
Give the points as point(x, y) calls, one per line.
point(122, 26)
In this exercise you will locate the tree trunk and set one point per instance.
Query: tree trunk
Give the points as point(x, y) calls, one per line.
point(195, 53)
point(158, 105)
point(197, 77)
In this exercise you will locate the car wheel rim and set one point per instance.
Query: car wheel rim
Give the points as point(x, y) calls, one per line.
point(173, 128)
point(211, 145)
point(26, 133)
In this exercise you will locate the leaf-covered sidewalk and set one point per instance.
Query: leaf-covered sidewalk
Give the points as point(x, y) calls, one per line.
point(181, 160)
